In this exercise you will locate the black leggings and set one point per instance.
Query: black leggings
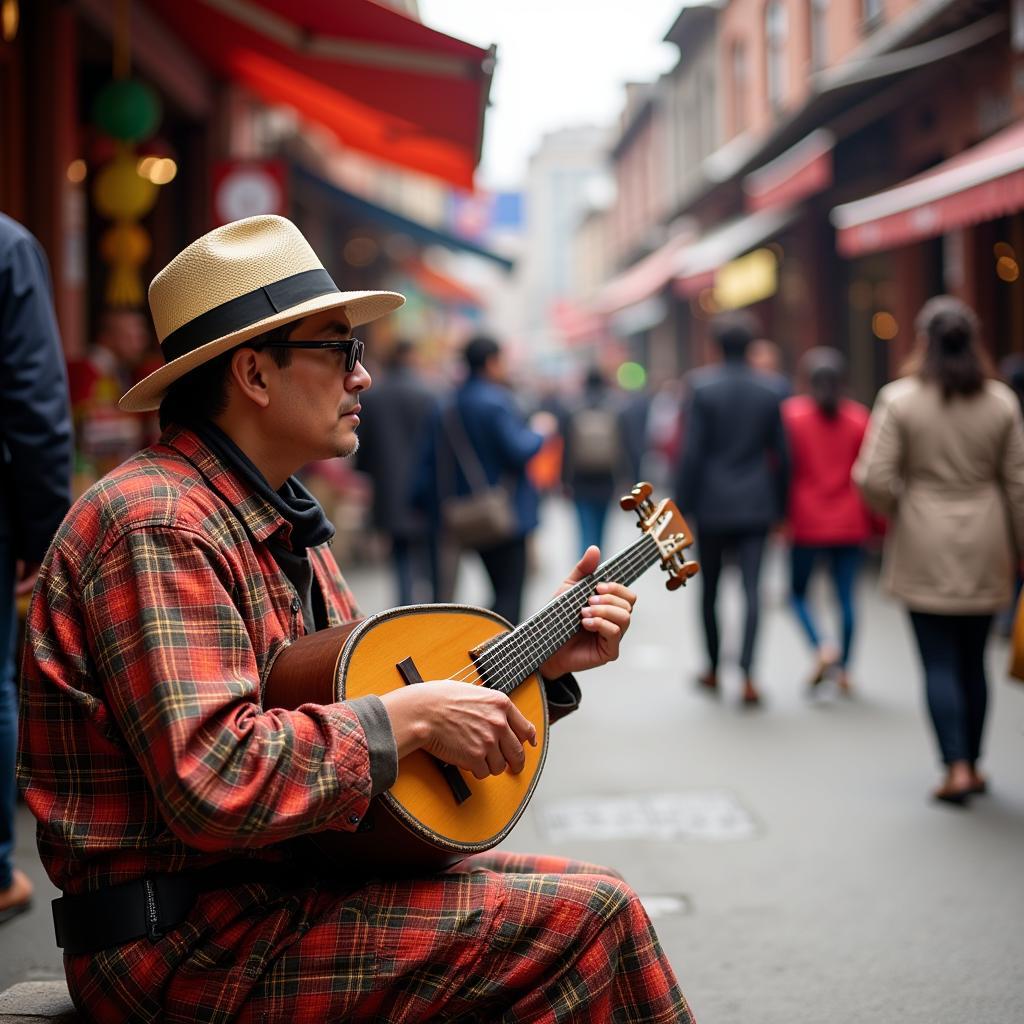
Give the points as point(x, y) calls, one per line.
point(748, 550)
point(953, 653)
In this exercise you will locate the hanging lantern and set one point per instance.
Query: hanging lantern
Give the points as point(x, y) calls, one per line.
point(129, 112)
point(127, 109)
point(125, 247)
point(120, 193)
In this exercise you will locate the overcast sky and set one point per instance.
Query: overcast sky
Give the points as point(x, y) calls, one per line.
point(560, 63)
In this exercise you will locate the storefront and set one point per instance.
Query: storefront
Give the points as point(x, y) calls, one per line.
point(956, 227)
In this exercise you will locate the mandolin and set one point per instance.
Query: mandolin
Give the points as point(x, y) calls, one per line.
point(435, 814)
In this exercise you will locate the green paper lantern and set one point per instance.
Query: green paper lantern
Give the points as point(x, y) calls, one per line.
point(127, 109)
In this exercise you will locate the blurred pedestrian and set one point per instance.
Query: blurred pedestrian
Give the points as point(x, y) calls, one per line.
point(593, 460)
point(732, 480)
point(547, 418)
point(482, 434)
point(1011, 369)
point(35, 461)
point(635, 419)
point(828, 520)
point(104, 434)
point(664, 433)
point(944, 459)
point(766, 358)
point(396, 414)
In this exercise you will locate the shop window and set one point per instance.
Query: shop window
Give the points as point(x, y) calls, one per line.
point(740, 83)
point(775, 31)
point(871, 12)
point(817, 20)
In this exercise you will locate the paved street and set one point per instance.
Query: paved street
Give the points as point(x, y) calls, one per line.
point(794, 866)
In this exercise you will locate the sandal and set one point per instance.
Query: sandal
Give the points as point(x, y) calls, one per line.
point(16, 898)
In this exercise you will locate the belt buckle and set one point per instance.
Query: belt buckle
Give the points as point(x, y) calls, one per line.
point(154, 929)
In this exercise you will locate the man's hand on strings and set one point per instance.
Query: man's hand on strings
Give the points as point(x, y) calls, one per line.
point(605, 619)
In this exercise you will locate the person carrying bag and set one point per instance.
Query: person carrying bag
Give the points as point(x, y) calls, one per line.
point(485, 516)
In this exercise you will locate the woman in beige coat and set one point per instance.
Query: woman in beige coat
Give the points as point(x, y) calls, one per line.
point(944, 459)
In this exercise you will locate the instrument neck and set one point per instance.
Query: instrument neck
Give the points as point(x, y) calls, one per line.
point(504, 664)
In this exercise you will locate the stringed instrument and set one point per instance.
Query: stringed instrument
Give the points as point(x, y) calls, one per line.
point(435, 814)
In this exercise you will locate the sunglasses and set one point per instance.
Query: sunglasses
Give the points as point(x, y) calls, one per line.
point(352, 347)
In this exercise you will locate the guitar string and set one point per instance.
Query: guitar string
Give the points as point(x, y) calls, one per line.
point(561, 610)
point(513, 651)
point(511, 656)
point(564, 622)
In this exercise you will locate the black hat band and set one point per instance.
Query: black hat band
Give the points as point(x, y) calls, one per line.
point(246, 310)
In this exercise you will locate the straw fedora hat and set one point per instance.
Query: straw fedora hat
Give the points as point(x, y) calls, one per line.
point(233, 283)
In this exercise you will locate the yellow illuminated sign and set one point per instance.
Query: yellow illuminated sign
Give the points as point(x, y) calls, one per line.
point(747, 280)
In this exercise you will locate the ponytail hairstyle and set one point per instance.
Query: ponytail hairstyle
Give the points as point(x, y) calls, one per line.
point(949, 353)
point(824, 374)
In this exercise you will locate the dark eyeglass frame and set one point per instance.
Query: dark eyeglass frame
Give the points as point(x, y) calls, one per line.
point(352, 347)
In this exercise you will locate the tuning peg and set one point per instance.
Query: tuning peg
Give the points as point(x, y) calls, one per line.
point(685, 572)
point(636, 497)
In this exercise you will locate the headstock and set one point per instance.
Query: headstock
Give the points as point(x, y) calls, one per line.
point(665, 523)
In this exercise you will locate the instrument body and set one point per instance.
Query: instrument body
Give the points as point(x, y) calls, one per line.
point(417, 821)
point(428, 819)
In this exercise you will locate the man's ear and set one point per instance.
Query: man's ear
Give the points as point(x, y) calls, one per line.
point(247, 373)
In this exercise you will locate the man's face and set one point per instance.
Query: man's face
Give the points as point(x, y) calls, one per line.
point(496, 369)
point(315, 401)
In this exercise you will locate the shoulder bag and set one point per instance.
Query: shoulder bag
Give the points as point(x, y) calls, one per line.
point(485, 516)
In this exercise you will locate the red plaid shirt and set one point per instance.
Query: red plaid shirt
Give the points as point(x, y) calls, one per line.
point(144, 744)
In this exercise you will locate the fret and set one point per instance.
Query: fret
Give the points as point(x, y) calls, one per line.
point(518, 654)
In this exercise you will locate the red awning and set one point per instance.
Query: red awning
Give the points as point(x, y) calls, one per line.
point(803, 170)
point(575, 323)
point(982, 183)
point(384, 83)
point(643, 279)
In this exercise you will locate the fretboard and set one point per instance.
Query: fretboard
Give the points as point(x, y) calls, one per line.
point(518, 654)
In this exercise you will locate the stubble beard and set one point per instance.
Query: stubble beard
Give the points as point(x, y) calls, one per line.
point(347, 448)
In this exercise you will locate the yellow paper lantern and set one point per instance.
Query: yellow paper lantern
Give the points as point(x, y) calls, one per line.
point(125, 247)
point(120, 193)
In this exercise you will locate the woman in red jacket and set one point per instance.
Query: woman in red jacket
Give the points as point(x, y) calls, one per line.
point(828, 519)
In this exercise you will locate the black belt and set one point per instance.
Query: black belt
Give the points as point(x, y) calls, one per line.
point(149, 907)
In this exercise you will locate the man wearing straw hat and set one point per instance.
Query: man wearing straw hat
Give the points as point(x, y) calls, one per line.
point(170, 801)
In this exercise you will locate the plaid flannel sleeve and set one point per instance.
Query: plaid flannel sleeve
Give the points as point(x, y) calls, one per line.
point(182, 680)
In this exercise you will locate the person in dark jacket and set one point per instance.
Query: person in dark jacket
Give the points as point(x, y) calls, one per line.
point(400, 407)
point(35, 461)
point(732, 480)
point(503, 443)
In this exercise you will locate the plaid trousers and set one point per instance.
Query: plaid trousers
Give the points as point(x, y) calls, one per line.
point(499, 938)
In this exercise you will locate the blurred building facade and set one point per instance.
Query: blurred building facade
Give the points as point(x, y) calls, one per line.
point(244, 131)
point(829, 164)
point(360, 128)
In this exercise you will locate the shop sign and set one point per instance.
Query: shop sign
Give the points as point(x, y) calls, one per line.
point(746, 280)
point(248, 188)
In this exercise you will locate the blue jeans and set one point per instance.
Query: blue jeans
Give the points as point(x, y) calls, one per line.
point(953, 653)
point(591, 515)
point(8, 713)
point(843, 562)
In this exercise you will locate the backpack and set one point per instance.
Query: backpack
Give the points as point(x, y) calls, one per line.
point(594, 441)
